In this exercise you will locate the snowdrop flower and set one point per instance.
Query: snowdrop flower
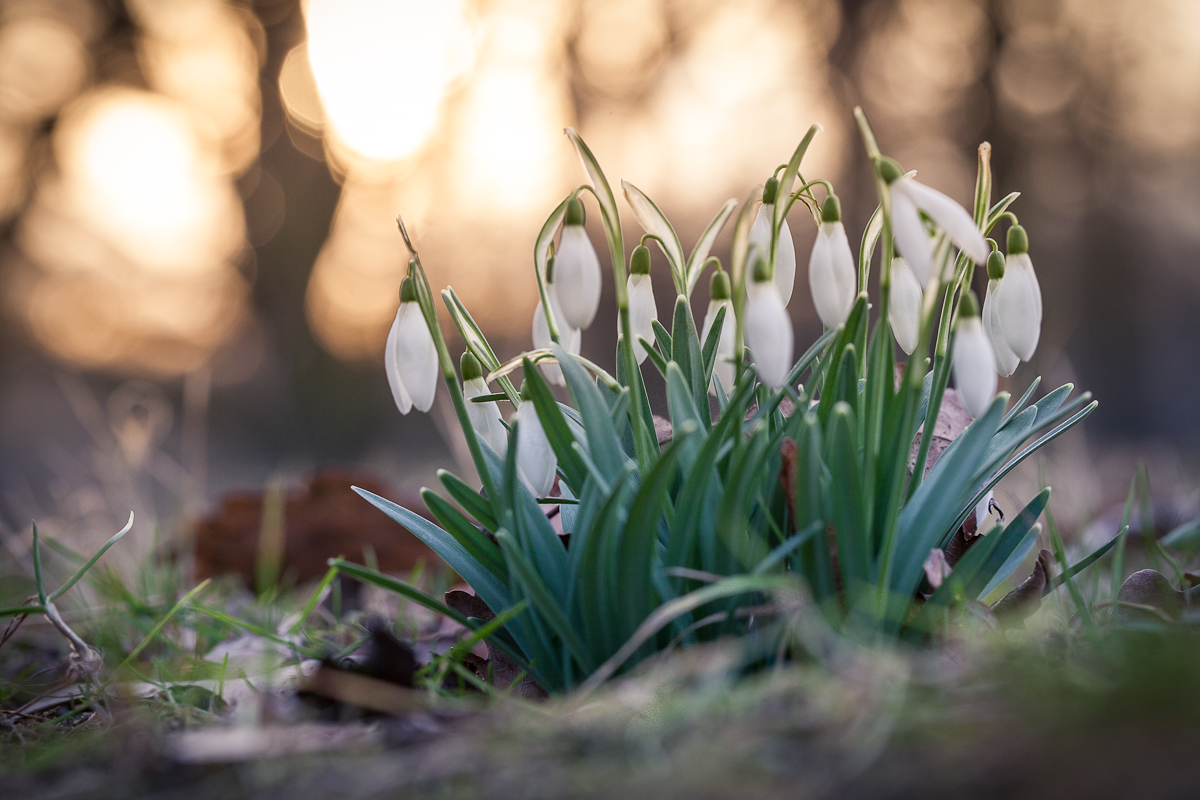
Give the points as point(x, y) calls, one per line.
point(909, 198)
point(578, 270)
point(642, 311)
point(768, 327)
point(410, 357)
point(760, 234)
point(904, 305)
point(720, 297)
point(485, 417)
point(983, 510)
point(974, 363)
point(568, 336)
point(831, 272)
point(1019, 297)
point(536, 461)
point(1006, 359)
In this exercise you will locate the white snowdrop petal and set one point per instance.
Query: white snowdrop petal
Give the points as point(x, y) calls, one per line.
point(392, 368)
point(785, 258)
point(910, 235)
point(1019, 306)
point(577, 277)
point(974, 367)
point(485, 417)
point(723, 366)
point(831, 274)
point(416, 356)
point(982, 510)
point(955, 220)
point(541, 341)
point(768, 333)
point(535, 458)
point(1006, 360)
point(642, 312)
point(785, 264)
point(904, 306)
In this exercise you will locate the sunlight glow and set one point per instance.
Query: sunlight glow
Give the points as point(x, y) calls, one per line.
point(382, 68)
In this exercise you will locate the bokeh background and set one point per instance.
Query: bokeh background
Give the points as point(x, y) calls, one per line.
point(198, 260)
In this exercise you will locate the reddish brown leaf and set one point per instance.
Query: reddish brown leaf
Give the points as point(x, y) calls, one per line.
point(323, 520)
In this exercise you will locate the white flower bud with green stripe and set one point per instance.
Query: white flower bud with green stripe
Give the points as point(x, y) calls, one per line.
point(904, 305)
point(1019, 297)
point(578, 270)
point(485, 416)
point(974, 362)
point(571, 338)
point(1006, 360)
point(536, 462)
point(909, 198)
point(642, 310)
point(720, 296)
point(832, 276)
point(768, 327)
point(410, 356)
point(760, 234)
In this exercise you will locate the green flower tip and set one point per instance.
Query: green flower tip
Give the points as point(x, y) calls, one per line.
point(1018, 240)
point(470, 367)
point(526, 390)
point(550, 269)
point(408, 290)
point(575, 214)
point(831, 211)
point(639, 262)
point(889, 170)
point(762, 270)
point(770, 190)
point(719, 288)
point(995, 265)
point(968, 306)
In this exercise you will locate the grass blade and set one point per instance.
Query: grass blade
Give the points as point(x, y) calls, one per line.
point(162, 623)
point(92, 561)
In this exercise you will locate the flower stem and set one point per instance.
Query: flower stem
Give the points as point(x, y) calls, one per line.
point(449, 373)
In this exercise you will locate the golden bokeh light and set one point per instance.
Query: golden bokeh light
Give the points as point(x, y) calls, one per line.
point(203, 53)
point(134, 163)
point(620, 44)
point(475, 196)
point(134, 239)
point(13, 180)
point(496, 161)
point(43, 63)
point(130, 244)
point(732, 89)
point(382, 68)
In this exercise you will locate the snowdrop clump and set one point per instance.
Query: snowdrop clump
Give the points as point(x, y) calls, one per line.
point(763, 469)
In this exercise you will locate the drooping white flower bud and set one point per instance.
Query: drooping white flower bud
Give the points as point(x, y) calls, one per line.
point(1006, 360)
point(578, 270)
point(1019, 297)
point(768, 327)
point(904, 305)
point(760, 234)
point(536, 462)
point(720, 297)
point(571, 338)
point(485, 416)
point(832, 276)
point(908, 198)
point(983, 510)
point(974, 362)
point(411, 358)
point(642, 310)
